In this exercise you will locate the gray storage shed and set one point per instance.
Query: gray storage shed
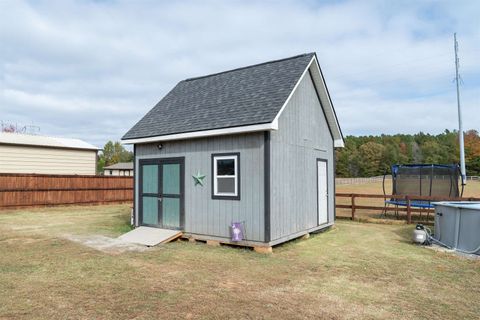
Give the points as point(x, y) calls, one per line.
point(252, 145)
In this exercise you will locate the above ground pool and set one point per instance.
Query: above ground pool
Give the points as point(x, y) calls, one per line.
point(457, 225)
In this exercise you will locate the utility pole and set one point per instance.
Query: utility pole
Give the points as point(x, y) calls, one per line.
point(460, 125)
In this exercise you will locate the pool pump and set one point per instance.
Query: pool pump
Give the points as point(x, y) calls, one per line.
point(421, 235)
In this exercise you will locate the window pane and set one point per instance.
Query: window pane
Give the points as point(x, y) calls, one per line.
point(150, 178)
point(226, 185)
point(171, 178)
point(171, 212)
point(150, 210)
point(225, 167)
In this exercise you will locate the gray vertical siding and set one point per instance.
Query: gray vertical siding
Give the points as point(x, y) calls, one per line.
point(204, 215)
point(303, 136)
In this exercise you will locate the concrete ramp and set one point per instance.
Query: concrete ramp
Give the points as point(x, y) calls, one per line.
point(150, 236)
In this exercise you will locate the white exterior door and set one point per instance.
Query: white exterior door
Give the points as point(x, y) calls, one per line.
point(322, 189)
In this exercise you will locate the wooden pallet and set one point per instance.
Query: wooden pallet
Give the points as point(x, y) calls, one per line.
point(216, 243)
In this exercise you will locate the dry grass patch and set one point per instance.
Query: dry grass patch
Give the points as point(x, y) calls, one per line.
point(352, 271)
point(471, 190)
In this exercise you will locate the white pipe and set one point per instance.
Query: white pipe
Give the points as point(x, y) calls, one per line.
point(455, 249)
point(430, 238)
point(460, 124)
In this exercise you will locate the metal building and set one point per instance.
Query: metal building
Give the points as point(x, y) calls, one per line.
point(27, 153)
point(253, 145)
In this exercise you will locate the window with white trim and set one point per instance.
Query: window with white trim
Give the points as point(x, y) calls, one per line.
point(226, 176)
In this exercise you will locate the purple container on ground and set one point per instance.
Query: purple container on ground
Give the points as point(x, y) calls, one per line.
point(237, 231)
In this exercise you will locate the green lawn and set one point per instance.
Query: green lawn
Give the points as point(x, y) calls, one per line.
point(353, 271)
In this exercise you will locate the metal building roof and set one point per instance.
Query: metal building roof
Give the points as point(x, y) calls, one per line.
point(120, 166)
point(44, 141)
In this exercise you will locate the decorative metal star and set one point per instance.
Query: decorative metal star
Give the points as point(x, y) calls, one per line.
point(198, 178)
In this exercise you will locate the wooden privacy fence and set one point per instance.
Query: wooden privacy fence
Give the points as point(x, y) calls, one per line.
point(35, 190)
point(408, 208)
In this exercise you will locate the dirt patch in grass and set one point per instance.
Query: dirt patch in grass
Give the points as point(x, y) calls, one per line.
point(353, 271)
point(105, 244)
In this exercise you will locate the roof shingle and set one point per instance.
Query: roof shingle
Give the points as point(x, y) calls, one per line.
point(239, 97)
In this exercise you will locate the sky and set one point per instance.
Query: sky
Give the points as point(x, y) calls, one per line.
point(92, 69)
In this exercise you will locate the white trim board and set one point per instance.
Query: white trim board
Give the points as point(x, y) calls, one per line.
point(204, 133)
point(293, 91)
point(327, 106)
point(324, 100)
point(233, 157)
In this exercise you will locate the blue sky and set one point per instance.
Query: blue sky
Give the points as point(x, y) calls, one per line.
point(90, 70)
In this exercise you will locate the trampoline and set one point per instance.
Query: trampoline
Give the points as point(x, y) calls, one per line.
point(433, 180)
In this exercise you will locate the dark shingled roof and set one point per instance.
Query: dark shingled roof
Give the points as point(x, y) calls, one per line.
point(244, 96)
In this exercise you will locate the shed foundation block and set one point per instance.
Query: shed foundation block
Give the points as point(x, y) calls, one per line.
point(213, 243)
point(264, 250)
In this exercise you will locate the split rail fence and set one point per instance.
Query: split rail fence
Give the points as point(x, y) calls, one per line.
point(38, 190)
point(409, 207)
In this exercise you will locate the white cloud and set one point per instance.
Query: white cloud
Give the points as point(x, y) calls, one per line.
point(91, 69)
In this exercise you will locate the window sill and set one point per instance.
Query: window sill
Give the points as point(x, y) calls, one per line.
point(218, 197)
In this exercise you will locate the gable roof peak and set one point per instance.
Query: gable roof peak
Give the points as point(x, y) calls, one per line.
point(245, 99)
point(250, 66)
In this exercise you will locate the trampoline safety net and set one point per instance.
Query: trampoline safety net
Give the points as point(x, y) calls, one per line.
point(425, 180)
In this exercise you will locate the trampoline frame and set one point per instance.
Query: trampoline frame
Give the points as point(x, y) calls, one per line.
point(421, 204)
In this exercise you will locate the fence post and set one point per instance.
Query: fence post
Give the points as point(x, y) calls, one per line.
point(353, 206)
point(409, 210)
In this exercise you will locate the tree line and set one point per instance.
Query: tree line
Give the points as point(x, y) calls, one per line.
point(367, 156)
point(112, 153)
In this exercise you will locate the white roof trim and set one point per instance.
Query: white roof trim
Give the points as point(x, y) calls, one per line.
point(293, 90)
point(325, 101)
point(327, 105)
point(204, 133)
point(338, 143)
